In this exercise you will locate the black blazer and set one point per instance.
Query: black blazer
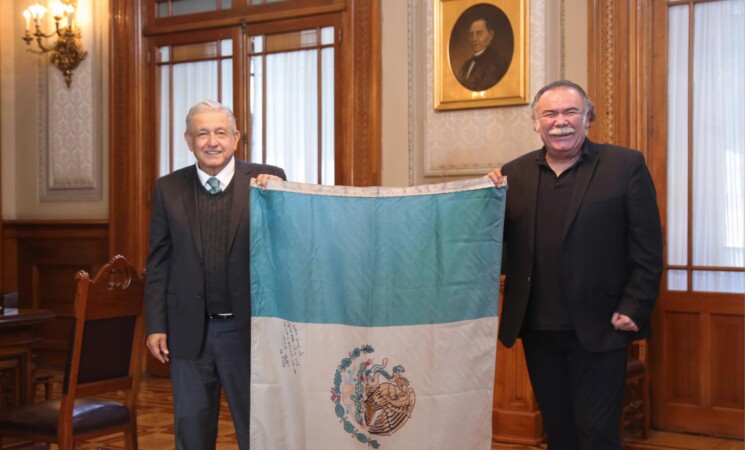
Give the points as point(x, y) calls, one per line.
point(611, 252)
point(174, 290)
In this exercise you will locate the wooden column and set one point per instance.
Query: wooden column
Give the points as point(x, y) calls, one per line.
point(619, 71)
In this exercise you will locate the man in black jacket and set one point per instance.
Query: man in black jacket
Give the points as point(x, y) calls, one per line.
point(583, 261)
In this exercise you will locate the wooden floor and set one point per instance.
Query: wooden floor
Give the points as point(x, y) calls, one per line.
point(659, 440)
point(155, 429)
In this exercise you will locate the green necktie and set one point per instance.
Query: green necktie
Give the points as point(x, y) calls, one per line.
point(214, 186)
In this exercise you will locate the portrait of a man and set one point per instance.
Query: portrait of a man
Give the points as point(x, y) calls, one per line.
point(481, 47)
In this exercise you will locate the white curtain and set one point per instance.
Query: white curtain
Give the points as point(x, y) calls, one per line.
point(718, 162)
point(292, 110)
point(327, 116)
point(191, 82)
point(292, 113)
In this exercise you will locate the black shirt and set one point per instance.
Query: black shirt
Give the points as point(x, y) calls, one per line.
point(547, 309)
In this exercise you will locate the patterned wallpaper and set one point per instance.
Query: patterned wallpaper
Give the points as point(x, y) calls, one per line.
point(70, 128)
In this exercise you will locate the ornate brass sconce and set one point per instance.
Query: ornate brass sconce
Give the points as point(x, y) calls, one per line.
point(66, 52)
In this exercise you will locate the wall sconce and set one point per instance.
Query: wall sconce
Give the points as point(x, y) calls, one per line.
point(66, 53)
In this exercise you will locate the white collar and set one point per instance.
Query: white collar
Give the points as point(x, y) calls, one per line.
point(225, 175)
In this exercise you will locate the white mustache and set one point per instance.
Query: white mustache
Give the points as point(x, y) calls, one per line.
point(563, 131)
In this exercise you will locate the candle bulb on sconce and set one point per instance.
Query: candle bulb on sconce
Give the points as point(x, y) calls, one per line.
point(27, 15)
point(58, 10)
point(66, 52)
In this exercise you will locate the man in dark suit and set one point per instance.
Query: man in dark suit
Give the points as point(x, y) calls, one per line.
point(197, 296)
point(487, 65)
point(583, 261)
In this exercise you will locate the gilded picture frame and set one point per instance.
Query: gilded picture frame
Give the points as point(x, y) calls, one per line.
point(480, 53)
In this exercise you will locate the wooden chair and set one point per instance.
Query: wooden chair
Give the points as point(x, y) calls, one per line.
point(636, 416)
point(105, 352)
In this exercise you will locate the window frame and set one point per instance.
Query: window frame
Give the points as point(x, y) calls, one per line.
point(238, 13)
point(185, 38)
point(131, 113)
point(296, 25)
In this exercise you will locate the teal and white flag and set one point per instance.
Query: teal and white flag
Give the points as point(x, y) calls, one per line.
point(374, 316)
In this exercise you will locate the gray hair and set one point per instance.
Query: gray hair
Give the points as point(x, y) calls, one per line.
point(589, 107)
point(210, 105)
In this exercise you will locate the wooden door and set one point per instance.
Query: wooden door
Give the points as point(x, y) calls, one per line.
point(698, 356)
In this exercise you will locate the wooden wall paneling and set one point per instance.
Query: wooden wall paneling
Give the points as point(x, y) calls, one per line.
point(9, 263)
point(515, 414)
point(49, 254)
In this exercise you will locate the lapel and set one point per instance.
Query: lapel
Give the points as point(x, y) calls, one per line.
point(585, 171)
point(189, 190)
point(241, 191)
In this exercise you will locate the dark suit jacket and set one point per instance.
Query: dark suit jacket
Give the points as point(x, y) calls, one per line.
point(611, 251)
point(490, 67)
point(175, 290)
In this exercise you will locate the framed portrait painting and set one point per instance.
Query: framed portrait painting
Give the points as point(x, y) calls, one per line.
point(480, 53)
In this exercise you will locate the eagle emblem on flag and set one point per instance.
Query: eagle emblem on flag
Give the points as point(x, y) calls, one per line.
point(374, 398)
